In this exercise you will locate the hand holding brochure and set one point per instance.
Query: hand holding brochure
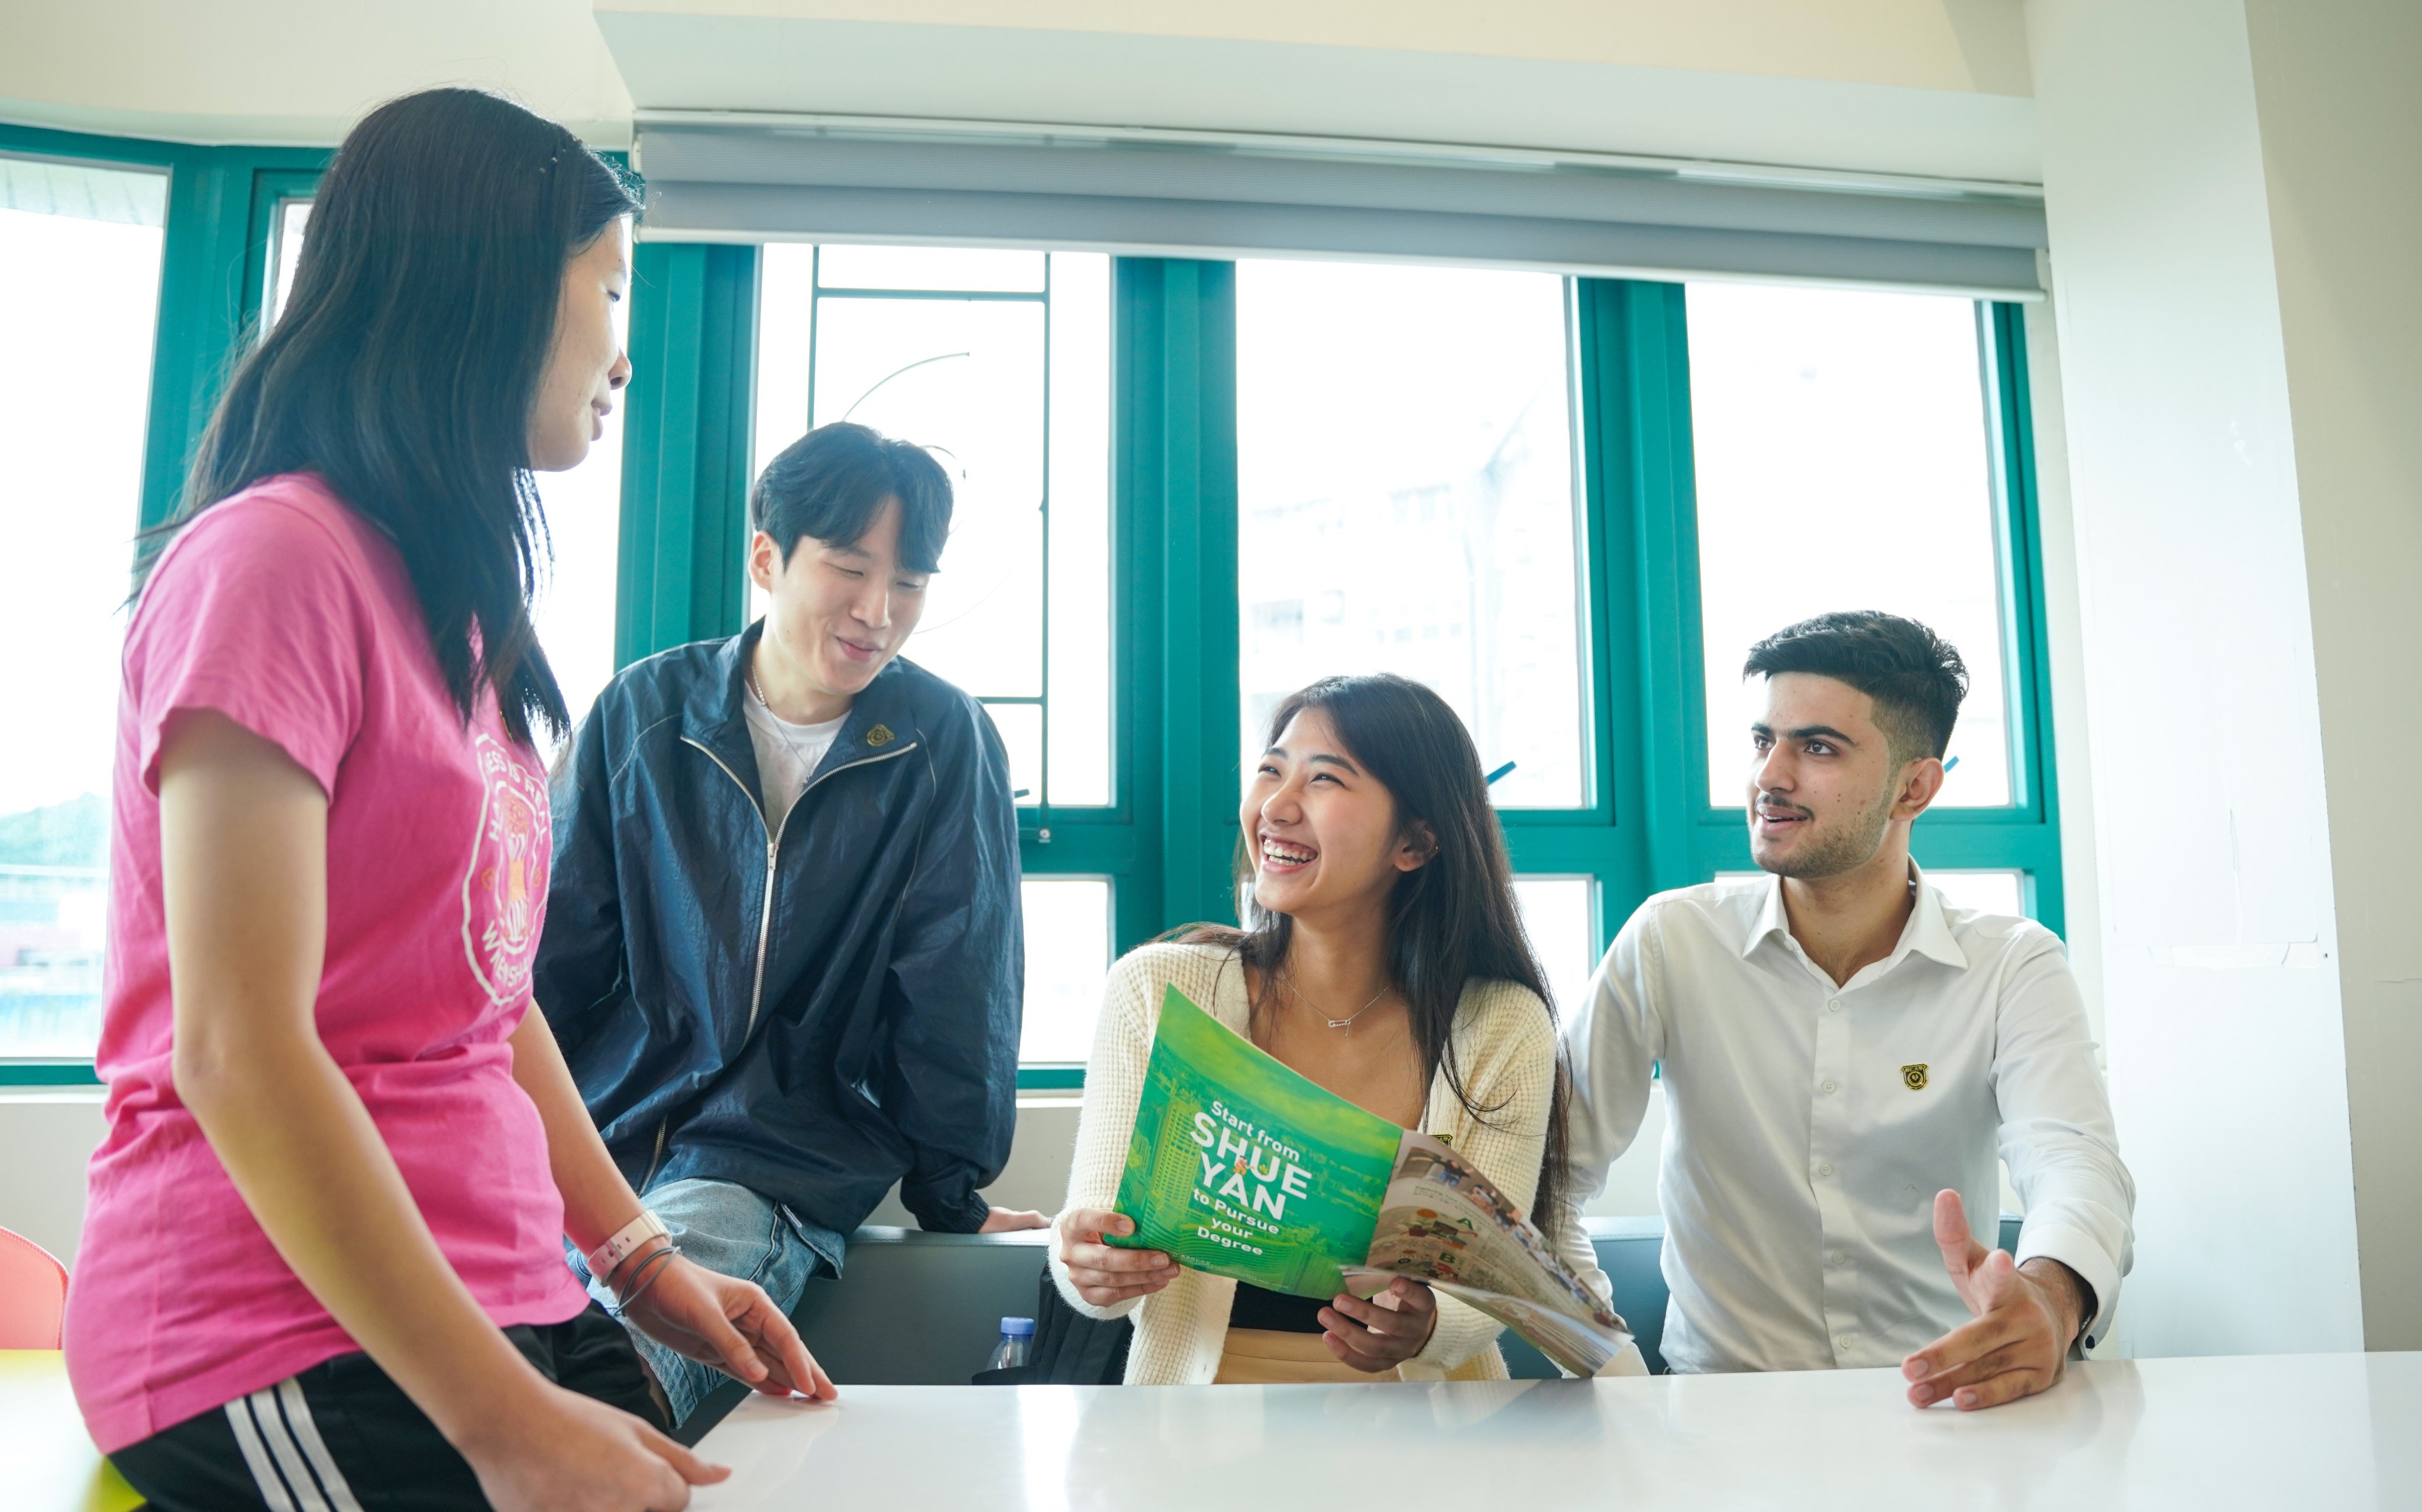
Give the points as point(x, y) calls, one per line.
point(1242, 1167)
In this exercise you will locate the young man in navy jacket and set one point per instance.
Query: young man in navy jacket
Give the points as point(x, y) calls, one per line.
point(783, 950)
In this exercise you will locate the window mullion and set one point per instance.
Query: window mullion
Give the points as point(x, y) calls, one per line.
point(685, 465)
point(2022, 546)
point(1176, 530)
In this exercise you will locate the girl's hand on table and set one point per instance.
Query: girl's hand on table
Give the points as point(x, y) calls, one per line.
point(557, 1451)
point(1103, 1275)
point(1383, 1333)
point(730, 1324)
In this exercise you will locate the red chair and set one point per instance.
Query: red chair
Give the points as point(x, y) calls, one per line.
point(32, 1294)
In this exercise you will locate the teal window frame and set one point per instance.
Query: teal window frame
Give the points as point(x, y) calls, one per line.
point(1642, 513)
point(1167, 840)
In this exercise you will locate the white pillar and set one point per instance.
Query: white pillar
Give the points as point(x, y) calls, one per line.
point(2337, 85)
point(2202, 699)
point(2232, 190)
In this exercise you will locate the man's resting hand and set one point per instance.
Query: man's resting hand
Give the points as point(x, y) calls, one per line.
point(2026, 1317)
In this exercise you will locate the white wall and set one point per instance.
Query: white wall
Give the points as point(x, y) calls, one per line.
point(45, 1139)
point(2224, 990)
point(1927, 44)
point(748, 60)
point(2337, 85)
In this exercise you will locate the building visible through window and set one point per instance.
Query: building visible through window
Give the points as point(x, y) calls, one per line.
point(80, 251)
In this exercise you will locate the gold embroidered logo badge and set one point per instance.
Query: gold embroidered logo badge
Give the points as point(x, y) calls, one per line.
point(881, 735)
point(1914, 1076)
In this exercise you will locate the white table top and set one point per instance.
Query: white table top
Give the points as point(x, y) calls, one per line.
point(2306, 1433)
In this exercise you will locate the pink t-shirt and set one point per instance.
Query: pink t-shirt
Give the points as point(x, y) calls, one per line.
point(284, 610)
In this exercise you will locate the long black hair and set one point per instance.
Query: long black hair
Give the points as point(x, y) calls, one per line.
point(1451, 920)
point(408, 360)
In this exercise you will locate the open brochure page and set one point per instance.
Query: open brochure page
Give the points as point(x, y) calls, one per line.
point(1242, 1167)
point(1443, 1223)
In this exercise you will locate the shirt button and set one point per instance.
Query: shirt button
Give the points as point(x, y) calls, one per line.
point(1834, 1258)
point(1829, 1087)
point(1824, 1170)
point(1834, 1007)
point(1842, 1345)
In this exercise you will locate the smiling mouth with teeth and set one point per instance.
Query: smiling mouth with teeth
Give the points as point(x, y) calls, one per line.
point(1281, 854)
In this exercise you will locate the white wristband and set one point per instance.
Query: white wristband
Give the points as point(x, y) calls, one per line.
point(606, 1257)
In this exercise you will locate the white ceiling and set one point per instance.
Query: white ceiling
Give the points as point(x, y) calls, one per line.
point(295, 71)
point(1937, 87)
point(1924, 44)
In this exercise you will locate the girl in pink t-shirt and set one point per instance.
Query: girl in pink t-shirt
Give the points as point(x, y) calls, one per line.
point(322, 1263)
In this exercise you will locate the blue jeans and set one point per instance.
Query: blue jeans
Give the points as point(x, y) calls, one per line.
point(726, 1228)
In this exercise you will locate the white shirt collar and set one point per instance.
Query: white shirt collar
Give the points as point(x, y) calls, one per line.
point(1927, 931)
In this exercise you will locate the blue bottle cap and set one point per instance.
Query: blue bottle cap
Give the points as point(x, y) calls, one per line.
point(1017, 1327)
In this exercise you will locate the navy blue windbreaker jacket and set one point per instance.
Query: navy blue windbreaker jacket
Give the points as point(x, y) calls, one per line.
point(815, 1015)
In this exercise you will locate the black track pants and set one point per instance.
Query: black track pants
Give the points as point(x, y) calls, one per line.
point(342, 1437)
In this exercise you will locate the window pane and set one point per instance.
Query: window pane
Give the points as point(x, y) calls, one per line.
point(984, 269)
point(1986, 892)
point(786, 323)
point(1067, 956)
point(1405, 483)
point(285, 251)
point(1021, 731)
point(1080, 529)
point(964, 377)
point(575, 612)
point(1842, 456)
point(1559, 914)
point(79, 293)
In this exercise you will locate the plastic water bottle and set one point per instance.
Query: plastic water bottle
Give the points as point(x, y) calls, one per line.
point(1017, 1338)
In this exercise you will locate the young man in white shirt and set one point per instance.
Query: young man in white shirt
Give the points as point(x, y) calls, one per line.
point(1845, 1055)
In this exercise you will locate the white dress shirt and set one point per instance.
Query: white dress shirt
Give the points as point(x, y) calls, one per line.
point(1809, 1126)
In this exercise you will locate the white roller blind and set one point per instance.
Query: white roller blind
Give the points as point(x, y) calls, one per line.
point(722, 181)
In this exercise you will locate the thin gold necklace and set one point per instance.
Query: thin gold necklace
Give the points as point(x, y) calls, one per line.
point(1346, 1023)
point(781, 731)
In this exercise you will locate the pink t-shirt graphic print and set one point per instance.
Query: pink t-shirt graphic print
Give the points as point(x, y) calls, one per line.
point(504, 888)
point(291, 614)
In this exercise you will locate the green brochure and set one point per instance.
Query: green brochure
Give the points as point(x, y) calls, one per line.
point(1242, 1167)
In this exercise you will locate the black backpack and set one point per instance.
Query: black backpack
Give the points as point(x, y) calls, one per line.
point(1069, 1348)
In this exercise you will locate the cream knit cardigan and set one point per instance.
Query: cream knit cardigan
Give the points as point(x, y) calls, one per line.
point(1505, 1049)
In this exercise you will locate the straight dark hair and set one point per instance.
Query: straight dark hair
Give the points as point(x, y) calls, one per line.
point(1914, 676)
point(831, 483)
point(407, 364)
point(1451, 921)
